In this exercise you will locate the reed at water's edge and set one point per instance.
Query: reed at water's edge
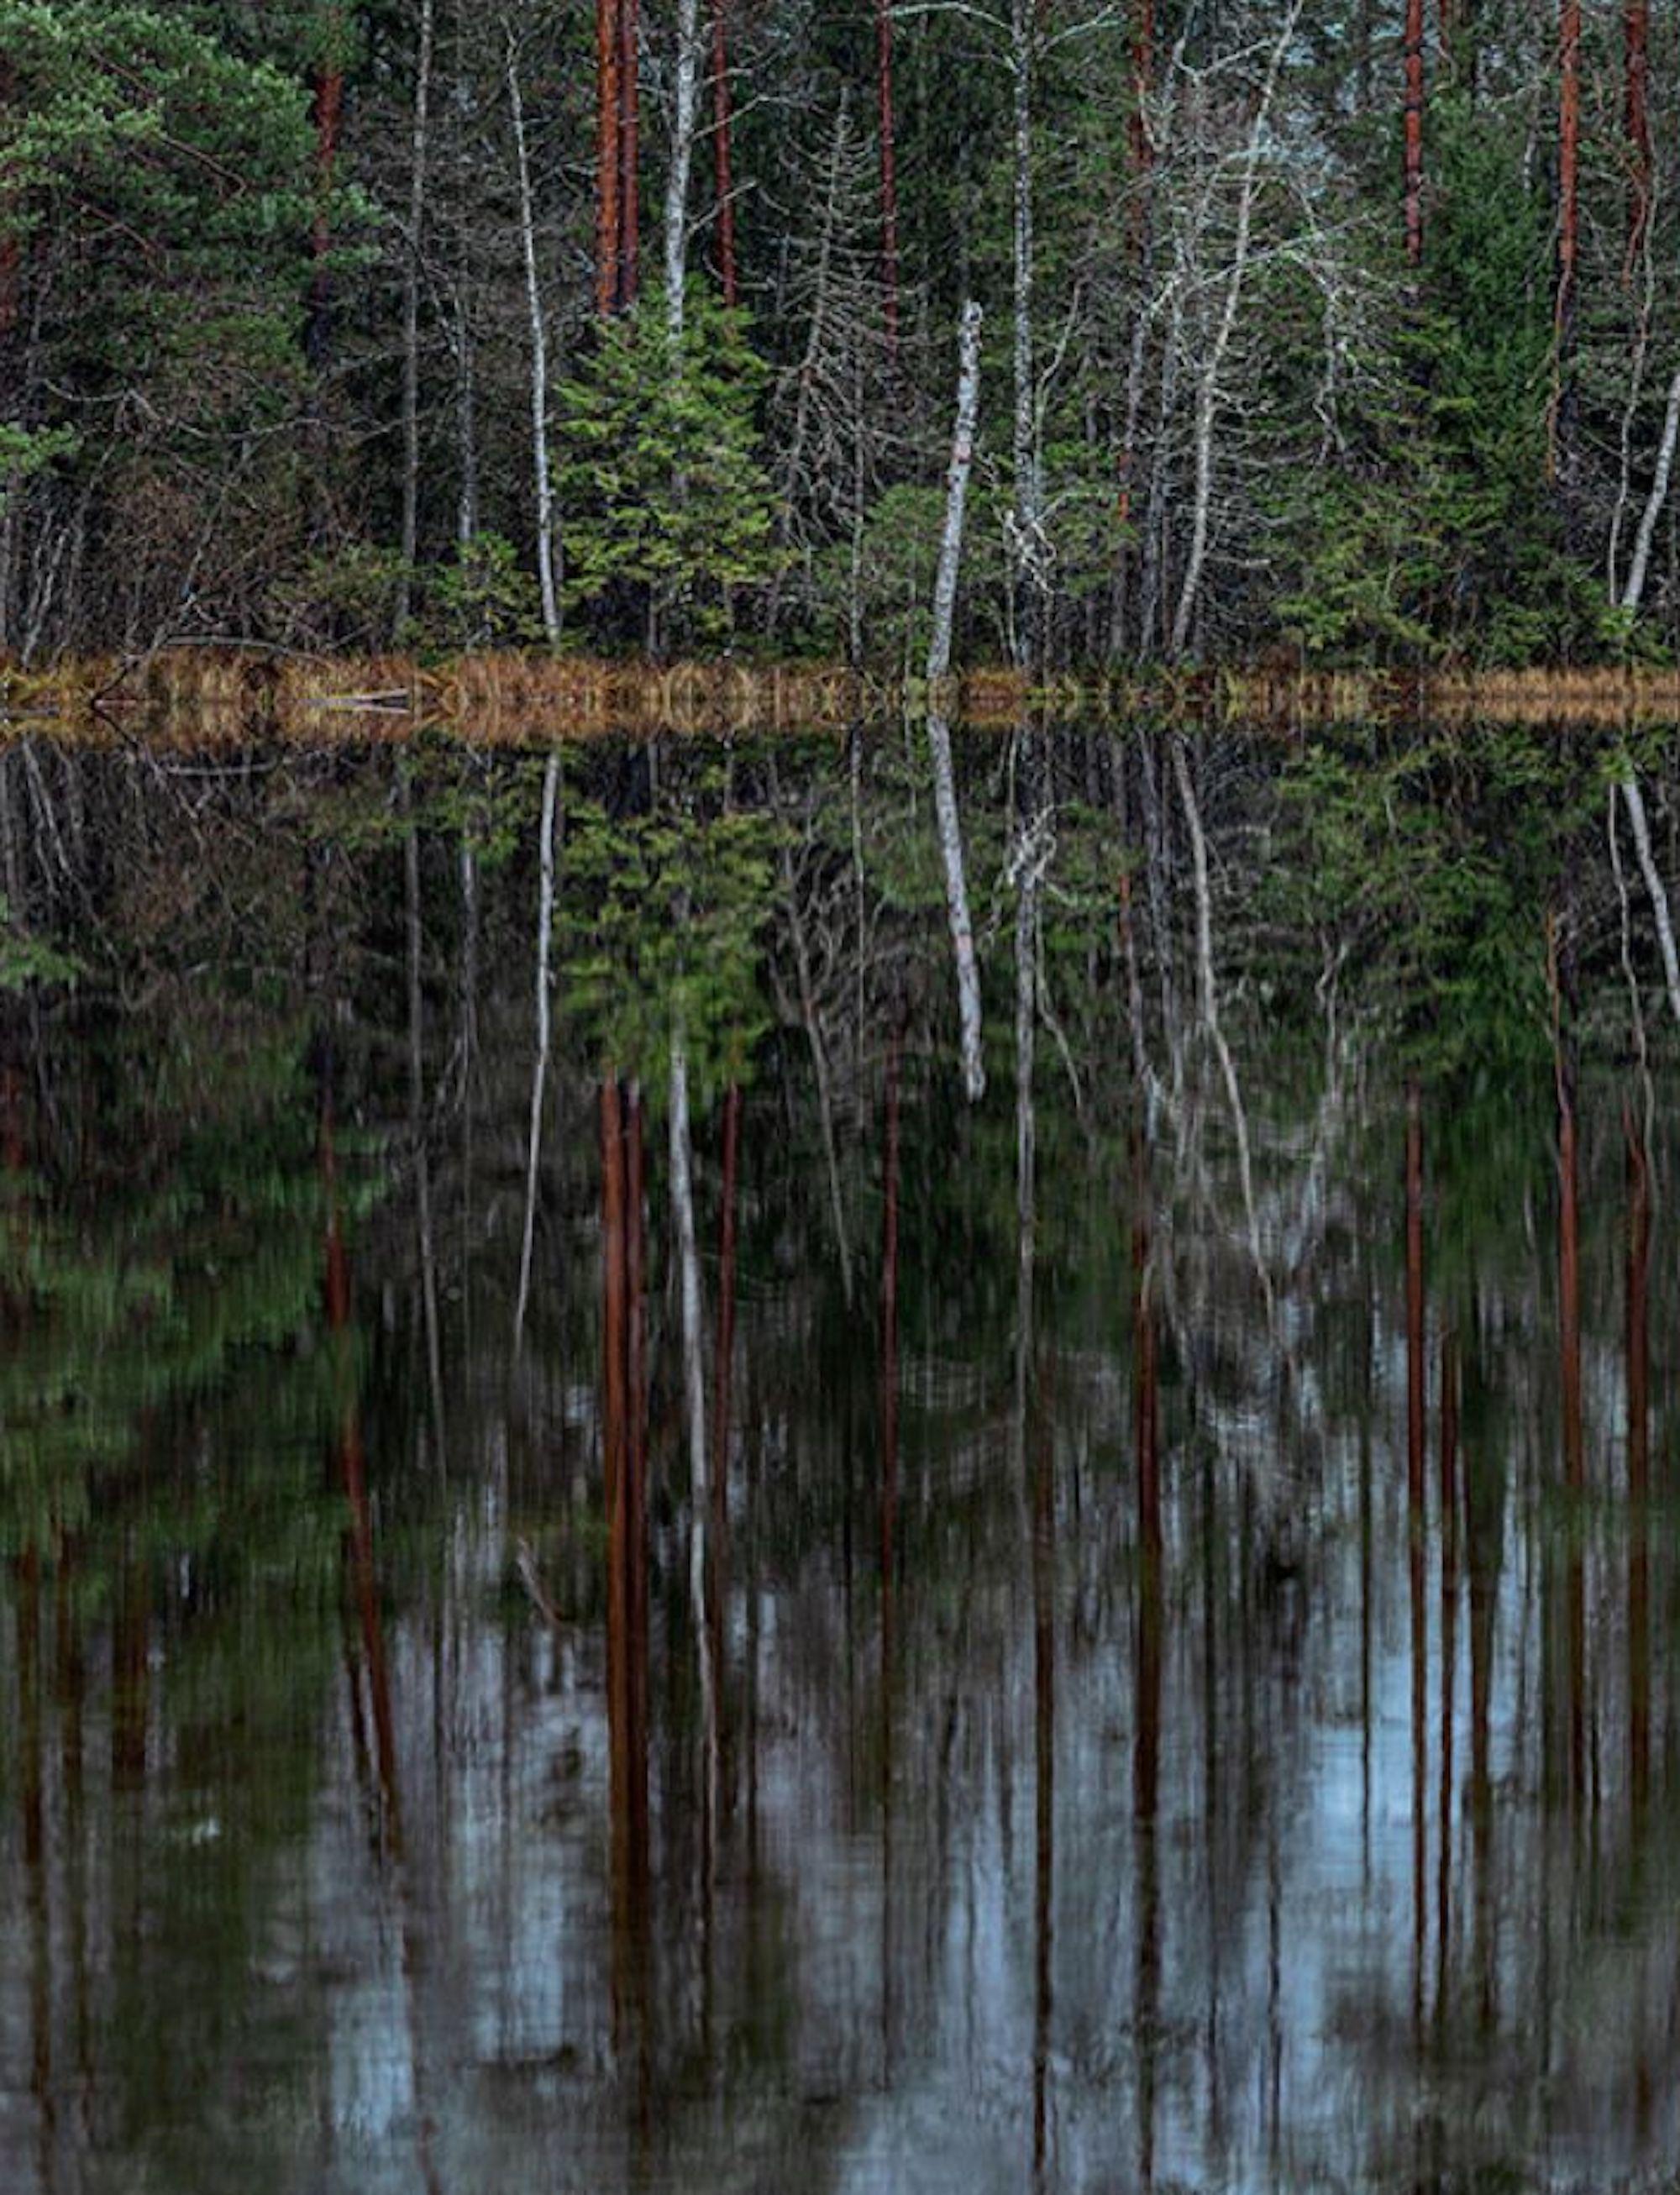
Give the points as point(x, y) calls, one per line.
point(197, 695)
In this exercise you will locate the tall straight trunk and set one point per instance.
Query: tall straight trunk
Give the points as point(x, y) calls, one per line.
point(1569, 228)
point(466, 355)
point(1207, 394)
point(1636, 121)
point(418, 145)
point(1027, 516)
point(723, 155)
point(630, 152)
point(889, 134)
point(11, 246)
point(1140, 142)
point(685, 104)
point(1414, 133)
point(608, 115)
point(542, 474)
point(327, 110)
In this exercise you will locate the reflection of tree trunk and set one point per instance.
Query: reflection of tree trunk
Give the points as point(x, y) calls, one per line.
point(624, 1498)
point(131, 1676)
point(1146, 1751)
point(812, 1021)
point(956, 905)
point(1415, 1436)
point(1449, 1618)
point(890, 1255)
point(1569, 1376)
point(417, 1100)
point(540, 1071)
point(722, 1420)
point(694, 1388)
point(31, 1706)
point(1484, 1527)
point(1044, 1692)
point(1638, 1464)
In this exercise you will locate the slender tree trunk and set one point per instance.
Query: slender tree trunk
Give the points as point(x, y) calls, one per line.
point(890, 277)
point(466, 355)
point(542, 473)
point(1568, 229)
point(685, 107)
point(1569, 1368)
point(609, 102)
point(1414, 133)
point(1637, 52)
point(723, 152)
point(411, 315)
point(1207, 396)
point(1027, 516)
point(11, 246)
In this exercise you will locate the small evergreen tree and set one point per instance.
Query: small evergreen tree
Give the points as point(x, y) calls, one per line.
point(668, 509)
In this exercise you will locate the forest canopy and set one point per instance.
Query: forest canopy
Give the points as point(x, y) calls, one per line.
point(1343, 329)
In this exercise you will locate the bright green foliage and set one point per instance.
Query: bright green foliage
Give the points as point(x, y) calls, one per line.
point(665, 505)
point(27, 960)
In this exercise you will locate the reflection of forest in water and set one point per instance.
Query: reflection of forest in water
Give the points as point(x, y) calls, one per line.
point(1166, 1677)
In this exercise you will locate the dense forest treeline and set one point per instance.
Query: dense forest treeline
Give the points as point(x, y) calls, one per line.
point(1340, 327)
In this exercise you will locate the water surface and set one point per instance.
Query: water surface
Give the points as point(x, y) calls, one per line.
point(1167, 1678)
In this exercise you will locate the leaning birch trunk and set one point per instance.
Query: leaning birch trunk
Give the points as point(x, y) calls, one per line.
point(410, 318)
point(539, 370)
point(1207, 394)
point(1634, 593)
point(539, 1074)
point(939, 732)
point(1632, 799)
point(685, 107)
point(694, 1388)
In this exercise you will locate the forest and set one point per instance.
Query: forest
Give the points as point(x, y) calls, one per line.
point(1332, 330)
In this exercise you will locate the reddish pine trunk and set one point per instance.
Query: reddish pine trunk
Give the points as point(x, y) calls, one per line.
point(1636, 36)
point(883, 40)
point(1569, 1364)
point(723, 151)
point(629, 153)
point(608, 41)
point(1143, 83)
point(1414, 132)
point(327, 111)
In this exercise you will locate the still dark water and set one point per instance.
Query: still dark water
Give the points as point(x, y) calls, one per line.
point(1152, 1662)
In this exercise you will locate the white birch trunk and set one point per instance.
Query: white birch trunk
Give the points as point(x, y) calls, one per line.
point(685, 107)
point(1207, 393)
point(539, 1074)
point(956, 494)
point(1639, 570)
point(542, 475)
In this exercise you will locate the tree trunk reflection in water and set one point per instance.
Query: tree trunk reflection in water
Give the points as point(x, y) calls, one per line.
point(888, 1506)
point(1638, 1461)
point(1415, 1438)
point(1151, 1601)
point(625, 1494)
